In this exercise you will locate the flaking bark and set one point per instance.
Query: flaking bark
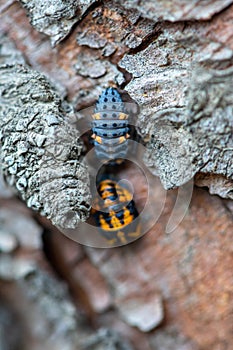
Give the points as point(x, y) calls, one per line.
point(40, 150)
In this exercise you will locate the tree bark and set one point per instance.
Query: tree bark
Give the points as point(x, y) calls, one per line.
point(174, 61)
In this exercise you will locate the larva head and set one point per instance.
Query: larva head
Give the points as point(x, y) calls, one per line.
point(109, 100)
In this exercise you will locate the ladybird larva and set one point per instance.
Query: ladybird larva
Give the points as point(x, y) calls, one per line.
point(40, 151)
point(110, 127)
point(117, 224)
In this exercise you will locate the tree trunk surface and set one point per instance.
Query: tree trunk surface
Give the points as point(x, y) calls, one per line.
point(173, 63)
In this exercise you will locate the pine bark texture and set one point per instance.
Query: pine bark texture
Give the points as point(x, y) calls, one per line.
point(175, 60)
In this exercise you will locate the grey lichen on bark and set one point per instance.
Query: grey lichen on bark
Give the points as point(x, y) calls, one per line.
point(177, 9)
point(210, 120)
point(201, 140)
point(184, 91)
point(55, 18)
point(40, 149)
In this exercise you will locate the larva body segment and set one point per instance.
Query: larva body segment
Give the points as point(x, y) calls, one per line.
point(40, 151)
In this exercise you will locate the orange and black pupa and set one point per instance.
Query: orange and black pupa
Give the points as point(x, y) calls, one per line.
point(110, 127)
point(115, 213)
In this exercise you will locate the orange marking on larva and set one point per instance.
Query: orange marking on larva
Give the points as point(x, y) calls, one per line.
point(121, 139)
point(96, 116)
point(123, 116)
point(123, 194)
point(106, 194)
point(103, 223)
point(128, 218)
point(98, 139)
point(114, 220)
